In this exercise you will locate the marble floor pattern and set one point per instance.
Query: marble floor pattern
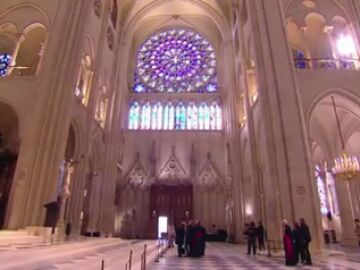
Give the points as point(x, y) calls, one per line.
point(228, 257)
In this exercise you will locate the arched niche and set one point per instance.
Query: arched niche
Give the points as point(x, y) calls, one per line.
point(70, 145)
point(85, 74)
point(9, 148)
point(30, 51)
point(8, 33)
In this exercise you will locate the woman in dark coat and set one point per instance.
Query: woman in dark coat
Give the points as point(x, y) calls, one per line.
point(290, 257)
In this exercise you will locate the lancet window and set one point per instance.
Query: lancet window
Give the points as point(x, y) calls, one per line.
point(175, 116)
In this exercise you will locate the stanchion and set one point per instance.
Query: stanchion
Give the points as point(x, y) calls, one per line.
point(158, 255)
point(145, 246)
point(130, 259)
point(102, 264)
point(268, 247)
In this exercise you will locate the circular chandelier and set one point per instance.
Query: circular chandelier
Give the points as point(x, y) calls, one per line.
point(346, 166)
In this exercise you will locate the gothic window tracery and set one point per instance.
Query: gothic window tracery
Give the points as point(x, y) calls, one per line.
point(175, 62)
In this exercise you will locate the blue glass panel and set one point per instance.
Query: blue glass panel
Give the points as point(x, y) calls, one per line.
point(134, 116)
point(5, 60)
point(146, 116)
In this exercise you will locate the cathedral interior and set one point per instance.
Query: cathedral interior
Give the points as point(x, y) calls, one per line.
point(118, 116)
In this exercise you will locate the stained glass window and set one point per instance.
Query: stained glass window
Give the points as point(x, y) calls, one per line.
point(134, 116)
point(189, 116)
point(145, 116)
point(213, 116)
point(176, 60)
point(5, 60)
point(181, 116)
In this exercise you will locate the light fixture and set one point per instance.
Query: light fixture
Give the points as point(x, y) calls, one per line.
point(346, 166)
point(346, 46)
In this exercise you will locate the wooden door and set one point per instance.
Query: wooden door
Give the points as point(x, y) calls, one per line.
point(174, 202)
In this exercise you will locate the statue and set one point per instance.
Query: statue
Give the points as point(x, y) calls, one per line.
point(64, 193)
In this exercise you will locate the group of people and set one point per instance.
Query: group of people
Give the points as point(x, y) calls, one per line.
point(296, 243)
point(253, 233)
point(190, 239)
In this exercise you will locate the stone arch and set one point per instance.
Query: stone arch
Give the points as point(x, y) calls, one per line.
point(348, 94)
point(8, 33)
point(321, 122)
point(217, 17)
point(34, 14)
point(9, 149)
point(31, 49)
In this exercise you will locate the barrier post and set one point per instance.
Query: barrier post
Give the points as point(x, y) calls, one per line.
point(130, 259)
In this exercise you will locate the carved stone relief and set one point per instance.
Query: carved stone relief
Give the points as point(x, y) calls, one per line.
point(172, 171)
point(137, 174)
point(208, 176)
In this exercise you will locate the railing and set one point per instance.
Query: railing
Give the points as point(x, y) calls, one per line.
point(129, 263)
point(143, 258)
point(327, 64)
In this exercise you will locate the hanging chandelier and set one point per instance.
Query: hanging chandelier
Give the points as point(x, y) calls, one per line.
point(346, 166)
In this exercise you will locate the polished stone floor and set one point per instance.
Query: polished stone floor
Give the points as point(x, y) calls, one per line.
point(38, 253)
point(229, 257)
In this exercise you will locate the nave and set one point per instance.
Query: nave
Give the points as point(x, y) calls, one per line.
point(221, 256)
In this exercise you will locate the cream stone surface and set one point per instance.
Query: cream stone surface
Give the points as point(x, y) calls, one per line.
point(65, 100)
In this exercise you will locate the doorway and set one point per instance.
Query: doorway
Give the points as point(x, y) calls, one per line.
point(175, 203)
point(162, 226)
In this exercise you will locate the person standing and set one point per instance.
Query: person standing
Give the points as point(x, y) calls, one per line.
point(188, 238)
point(180, 239)
point(261, 235)
point(198, 240)
point(296, 241)
point(251, 238)
point(357, 229)
point(288, 244)
point(305, 238)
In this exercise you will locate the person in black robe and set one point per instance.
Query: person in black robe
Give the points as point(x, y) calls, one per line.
point(251, 238)
point(296, 241)
point(180, 239)
point(260, 231)
point(188, 237)
point(305, 242)
point(198, 240)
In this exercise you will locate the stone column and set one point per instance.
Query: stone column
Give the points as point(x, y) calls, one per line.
point(19, 40)
point(288, 170)
point(345, 200)
point(94, 202)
